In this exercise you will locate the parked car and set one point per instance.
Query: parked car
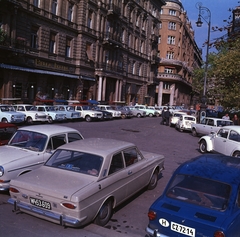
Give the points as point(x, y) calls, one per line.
point(32, 113)
point(175, 117)
point(52, 113)
point(185, 122)
point(9, 115)
point(137, 112)
point(115, 113)
point(69, 110)
point(105, 114)
point(226, 141)
point(6, 132)
point(94, 176)
point(149, 112)
point(209, 125)
point(201, 199)
point(88, 113)
point(125, 111)
point(30, 147)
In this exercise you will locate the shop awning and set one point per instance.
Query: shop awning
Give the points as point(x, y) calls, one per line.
point(32, 70)
point(87, 78)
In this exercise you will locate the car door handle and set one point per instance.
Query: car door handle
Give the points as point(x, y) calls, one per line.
point(129, 172)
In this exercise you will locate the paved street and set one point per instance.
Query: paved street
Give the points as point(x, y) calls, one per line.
point(130, 219)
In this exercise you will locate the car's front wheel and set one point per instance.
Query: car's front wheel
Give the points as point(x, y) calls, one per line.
point(88, 118)
point(29, 120)
point(150, 115)
point(4, 120)
point(194, 132)
point(236, 154)
point(50, 120)
point(104, 214)
point(203, 146)
point(139, 115)
point(153, 181)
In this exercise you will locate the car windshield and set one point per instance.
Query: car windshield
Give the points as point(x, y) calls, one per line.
point(222, 123)
point(76, 161)
point(190, 118)
point(86, 107)
point(109, 107)
point(7, 108)
point(31, 108)
point(200, 191)
point(29, 140)
point(51, 108)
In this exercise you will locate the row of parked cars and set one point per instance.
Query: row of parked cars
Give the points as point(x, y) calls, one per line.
point(21, 113)
point(95, 176)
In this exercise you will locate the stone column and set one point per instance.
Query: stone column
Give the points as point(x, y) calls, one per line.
point(116, 90)
point(160, 93)
point(99, 88)
point(104, 89)
point(172, 93)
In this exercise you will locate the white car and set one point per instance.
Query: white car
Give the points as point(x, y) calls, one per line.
point(53, 114)
point(226, 141)
point(31, 112)
point(209, 125)
point(185, 122)
point(30, 147)
point(149, 112)
point(84, 181)
point(9, 115)
point(115, 113)
point(87, 113)
point(69, 110)
point(175, 117)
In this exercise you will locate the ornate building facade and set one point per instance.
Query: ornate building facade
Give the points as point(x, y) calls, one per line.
point(104, 50)
point(179, 55)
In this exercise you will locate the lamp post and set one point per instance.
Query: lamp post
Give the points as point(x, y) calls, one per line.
point(207, 18)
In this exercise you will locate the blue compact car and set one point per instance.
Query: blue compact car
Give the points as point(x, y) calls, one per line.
point(202, 199)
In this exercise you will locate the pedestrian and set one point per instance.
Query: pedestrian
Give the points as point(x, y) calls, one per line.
point(167, 116)
point(226, 116)
point(235, 120)
point(163, 116)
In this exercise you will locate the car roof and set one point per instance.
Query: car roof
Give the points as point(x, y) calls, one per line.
point(98, 146)
point(48, 129)
point(233, 127)
point(213, 166)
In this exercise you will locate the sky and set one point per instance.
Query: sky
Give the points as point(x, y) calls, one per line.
point(219, 12)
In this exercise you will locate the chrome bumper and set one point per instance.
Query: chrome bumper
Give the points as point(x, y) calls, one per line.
point(61, 219)
point(154, 233)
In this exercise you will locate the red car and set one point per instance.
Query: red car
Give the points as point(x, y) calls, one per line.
point(6, 132)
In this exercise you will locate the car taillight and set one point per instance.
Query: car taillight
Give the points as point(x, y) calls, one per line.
point(13, 190)
point(69, 205)
point(152, 215)
point(219, 233)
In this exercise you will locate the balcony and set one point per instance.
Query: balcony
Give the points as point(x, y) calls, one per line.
point(112, 39)
point(173, 62)
point(113, 10)
point(172, 77)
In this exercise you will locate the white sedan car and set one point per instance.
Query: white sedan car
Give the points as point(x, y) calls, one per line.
point(226, 141)
point(30, 147)
point(84, 181)
point(175, 117)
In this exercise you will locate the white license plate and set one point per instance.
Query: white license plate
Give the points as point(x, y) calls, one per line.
point(40, 203)
point(182, 229)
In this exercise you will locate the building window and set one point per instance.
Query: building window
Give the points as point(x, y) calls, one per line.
point(171, 39)
point(160, 25)
point(161, 11)
point(54, 7)
point(36, 3)
point(52, 43)
point(159, 39)
point(172, 12)
point(89, 20)
point(68, 48)
point(168, 70)
point(34, 37)
point(70, 12)
point(172, 26)
point(89, 51)
point(170, 55)
point(134, 69)
point(166, 85)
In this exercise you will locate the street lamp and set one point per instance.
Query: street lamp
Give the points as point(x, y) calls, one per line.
point(207, 19)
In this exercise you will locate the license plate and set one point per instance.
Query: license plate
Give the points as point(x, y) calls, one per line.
point(40, 203)
point(182, 229)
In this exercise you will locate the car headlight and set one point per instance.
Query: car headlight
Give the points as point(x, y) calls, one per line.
point(1, 171)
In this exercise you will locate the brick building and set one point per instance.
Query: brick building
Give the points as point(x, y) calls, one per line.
point(179, 56)
point(104, 50)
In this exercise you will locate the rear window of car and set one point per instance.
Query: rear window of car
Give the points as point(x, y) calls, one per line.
point(200, 191)
point(76, 161)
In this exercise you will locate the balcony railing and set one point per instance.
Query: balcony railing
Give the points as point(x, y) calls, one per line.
point(18, 43)
point(171, 76)
point(109, 67)
point(171, 62)
point(113, 9)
